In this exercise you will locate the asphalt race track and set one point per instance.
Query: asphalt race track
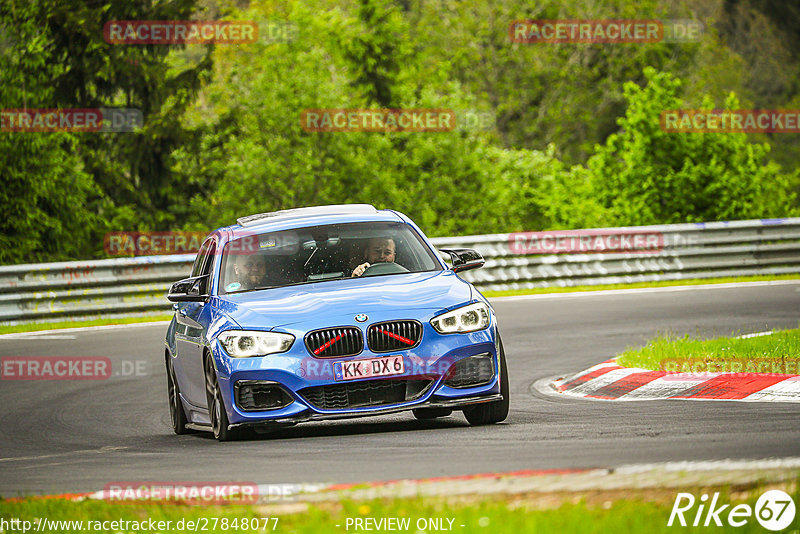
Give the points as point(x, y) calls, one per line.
point(72, 436)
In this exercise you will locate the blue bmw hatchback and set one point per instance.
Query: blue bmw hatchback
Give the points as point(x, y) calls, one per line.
point(329, 312)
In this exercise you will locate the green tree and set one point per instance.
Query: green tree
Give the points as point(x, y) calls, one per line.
point(45, 191)
point(130, 170)
point(376, 50)
point(644, 175)
point(259, 158)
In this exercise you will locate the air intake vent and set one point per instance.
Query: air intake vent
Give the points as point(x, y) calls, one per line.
point(394, 335)
point(471, 372)
point(331, 342)
point(253, 395)
point(365, 393)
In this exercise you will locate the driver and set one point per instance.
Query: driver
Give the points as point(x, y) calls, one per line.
point(378, 250)
point(250, 270)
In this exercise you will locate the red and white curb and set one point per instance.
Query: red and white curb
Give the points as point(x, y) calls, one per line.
point(609, 381)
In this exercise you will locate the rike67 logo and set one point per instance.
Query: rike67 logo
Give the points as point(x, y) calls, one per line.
point(774, 510)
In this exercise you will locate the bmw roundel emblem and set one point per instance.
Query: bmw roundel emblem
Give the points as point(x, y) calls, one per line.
point(361, 317)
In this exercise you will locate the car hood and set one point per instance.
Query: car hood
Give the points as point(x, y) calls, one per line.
point(321, 302)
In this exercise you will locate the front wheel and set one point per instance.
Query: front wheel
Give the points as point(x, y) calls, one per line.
point(492, 412)
point(216, 406)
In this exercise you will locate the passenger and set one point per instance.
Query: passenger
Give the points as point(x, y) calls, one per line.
point(250, 271)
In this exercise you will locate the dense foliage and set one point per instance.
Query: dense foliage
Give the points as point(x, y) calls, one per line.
point(575, 139)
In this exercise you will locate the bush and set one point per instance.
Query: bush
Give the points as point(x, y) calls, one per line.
point(644, 175)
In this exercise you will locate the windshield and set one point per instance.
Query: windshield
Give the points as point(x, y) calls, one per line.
point(323, 253)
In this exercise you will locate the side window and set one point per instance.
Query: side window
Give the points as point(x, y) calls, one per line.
point(200, 260)
point(208, 265)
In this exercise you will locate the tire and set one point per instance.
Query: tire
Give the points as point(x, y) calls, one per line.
point(492, 412)
point(216, 405)
point(177, 415)
point(424, 414)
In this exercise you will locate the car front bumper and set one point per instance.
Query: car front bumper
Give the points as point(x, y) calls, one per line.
point(431, 361)
point(455, 404)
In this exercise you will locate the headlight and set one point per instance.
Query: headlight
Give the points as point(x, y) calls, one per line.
point(465, 319)
point(244, 343)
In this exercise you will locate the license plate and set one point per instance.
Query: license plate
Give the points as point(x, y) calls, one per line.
point(393, 365)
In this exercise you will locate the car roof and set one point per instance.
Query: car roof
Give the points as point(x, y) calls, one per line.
point(312, 216)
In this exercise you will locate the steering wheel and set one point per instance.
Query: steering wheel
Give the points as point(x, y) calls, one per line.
point(388, 267)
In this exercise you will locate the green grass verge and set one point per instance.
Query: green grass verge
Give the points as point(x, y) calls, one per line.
point(597, 511)
point(776, 353)
point(34, 327)
point(664, 283)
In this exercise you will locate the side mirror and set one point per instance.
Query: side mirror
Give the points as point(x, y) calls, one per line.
point(464, 259)
point(189, 290)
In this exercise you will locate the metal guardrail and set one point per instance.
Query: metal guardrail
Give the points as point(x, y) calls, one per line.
point(80, 289)
point(690, 251)
point(131, 286)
